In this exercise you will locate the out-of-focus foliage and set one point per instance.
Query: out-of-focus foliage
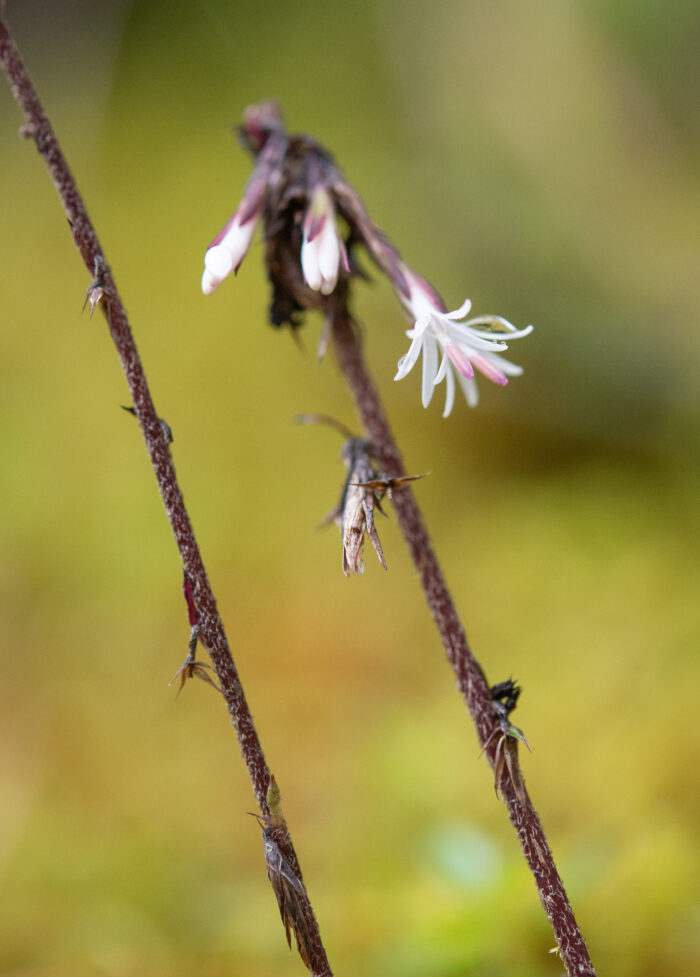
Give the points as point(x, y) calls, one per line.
point(541, 158)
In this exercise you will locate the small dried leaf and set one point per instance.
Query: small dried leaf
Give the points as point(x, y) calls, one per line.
point(194, 669)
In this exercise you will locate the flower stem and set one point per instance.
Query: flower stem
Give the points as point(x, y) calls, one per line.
point(211, 629)
point(470, 676)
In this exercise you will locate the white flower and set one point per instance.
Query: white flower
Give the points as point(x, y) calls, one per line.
point(228, 249)
point(321, 248)
point(463, 346)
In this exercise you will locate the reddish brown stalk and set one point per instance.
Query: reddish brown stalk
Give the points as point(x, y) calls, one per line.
point(491, 726)
point(156, 435)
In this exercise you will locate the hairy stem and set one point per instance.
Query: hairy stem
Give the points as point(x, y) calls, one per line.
point(211, 629)
point(470, 676)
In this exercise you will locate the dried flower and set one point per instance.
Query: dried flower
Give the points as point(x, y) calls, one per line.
point(354, 514)
point(463, 346)
point(284, 876)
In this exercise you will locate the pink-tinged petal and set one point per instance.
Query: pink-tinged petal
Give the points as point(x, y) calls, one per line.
point(460, 360)
point(226, 252)
point(422, 299)
point(313, 225)
point(449, 391)
point(224, 231)
point(238, 241)
point(430, 366)
point(489, 369)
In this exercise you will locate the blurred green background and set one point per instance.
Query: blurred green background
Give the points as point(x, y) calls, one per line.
point(541, 158)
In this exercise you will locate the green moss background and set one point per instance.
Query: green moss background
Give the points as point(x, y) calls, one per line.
point(541, 158)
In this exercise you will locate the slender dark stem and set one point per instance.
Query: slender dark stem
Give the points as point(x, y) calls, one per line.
point(470, 676)
point(211, 629)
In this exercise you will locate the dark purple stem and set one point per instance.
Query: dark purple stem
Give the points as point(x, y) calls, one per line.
point(470, 676)
point(198, 590)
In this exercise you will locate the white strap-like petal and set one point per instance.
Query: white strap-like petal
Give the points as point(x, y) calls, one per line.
point(443, 371)
point(219, 261)
point(329, 256)
point(209, 282)
point(505, 333)
point(449, 391)
point(408, 360)
point(309, 264)
point(470, 389)
point(461, 312)
point(430, 367)
point(505, 366)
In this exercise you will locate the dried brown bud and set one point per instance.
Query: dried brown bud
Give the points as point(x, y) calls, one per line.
point(97, 289)
point(293, 903)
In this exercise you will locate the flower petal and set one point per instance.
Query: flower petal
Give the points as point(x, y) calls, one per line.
point(460, 360)
point(505, 333)
point(219, 261)
point(430, 366)
point(309, 264)
point(329, 257)
point(209, 282)
point(510, 369)
point(461, 312)
point(408, 360)
point(444, 369)
point(470, 390)
point(449, 391)
point(467, 338)
point(488, 366)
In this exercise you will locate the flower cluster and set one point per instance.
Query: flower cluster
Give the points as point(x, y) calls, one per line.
point(298, 193)
point(464, 346)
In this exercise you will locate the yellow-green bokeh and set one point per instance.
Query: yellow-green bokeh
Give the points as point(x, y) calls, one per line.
point(541, 158)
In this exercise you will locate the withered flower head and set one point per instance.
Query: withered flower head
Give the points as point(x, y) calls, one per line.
point(312, 221)
point(285, 879)
point(354, 514)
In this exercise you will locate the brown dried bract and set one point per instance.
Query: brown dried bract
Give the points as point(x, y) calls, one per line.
point(289, 890)
point(354, 514)
point(191, 668)
point(505, 696)
point(97, 290)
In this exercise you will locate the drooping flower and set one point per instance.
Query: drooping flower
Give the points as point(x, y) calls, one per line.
point(464, 346)
point(229, 248)
point(322, 247)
